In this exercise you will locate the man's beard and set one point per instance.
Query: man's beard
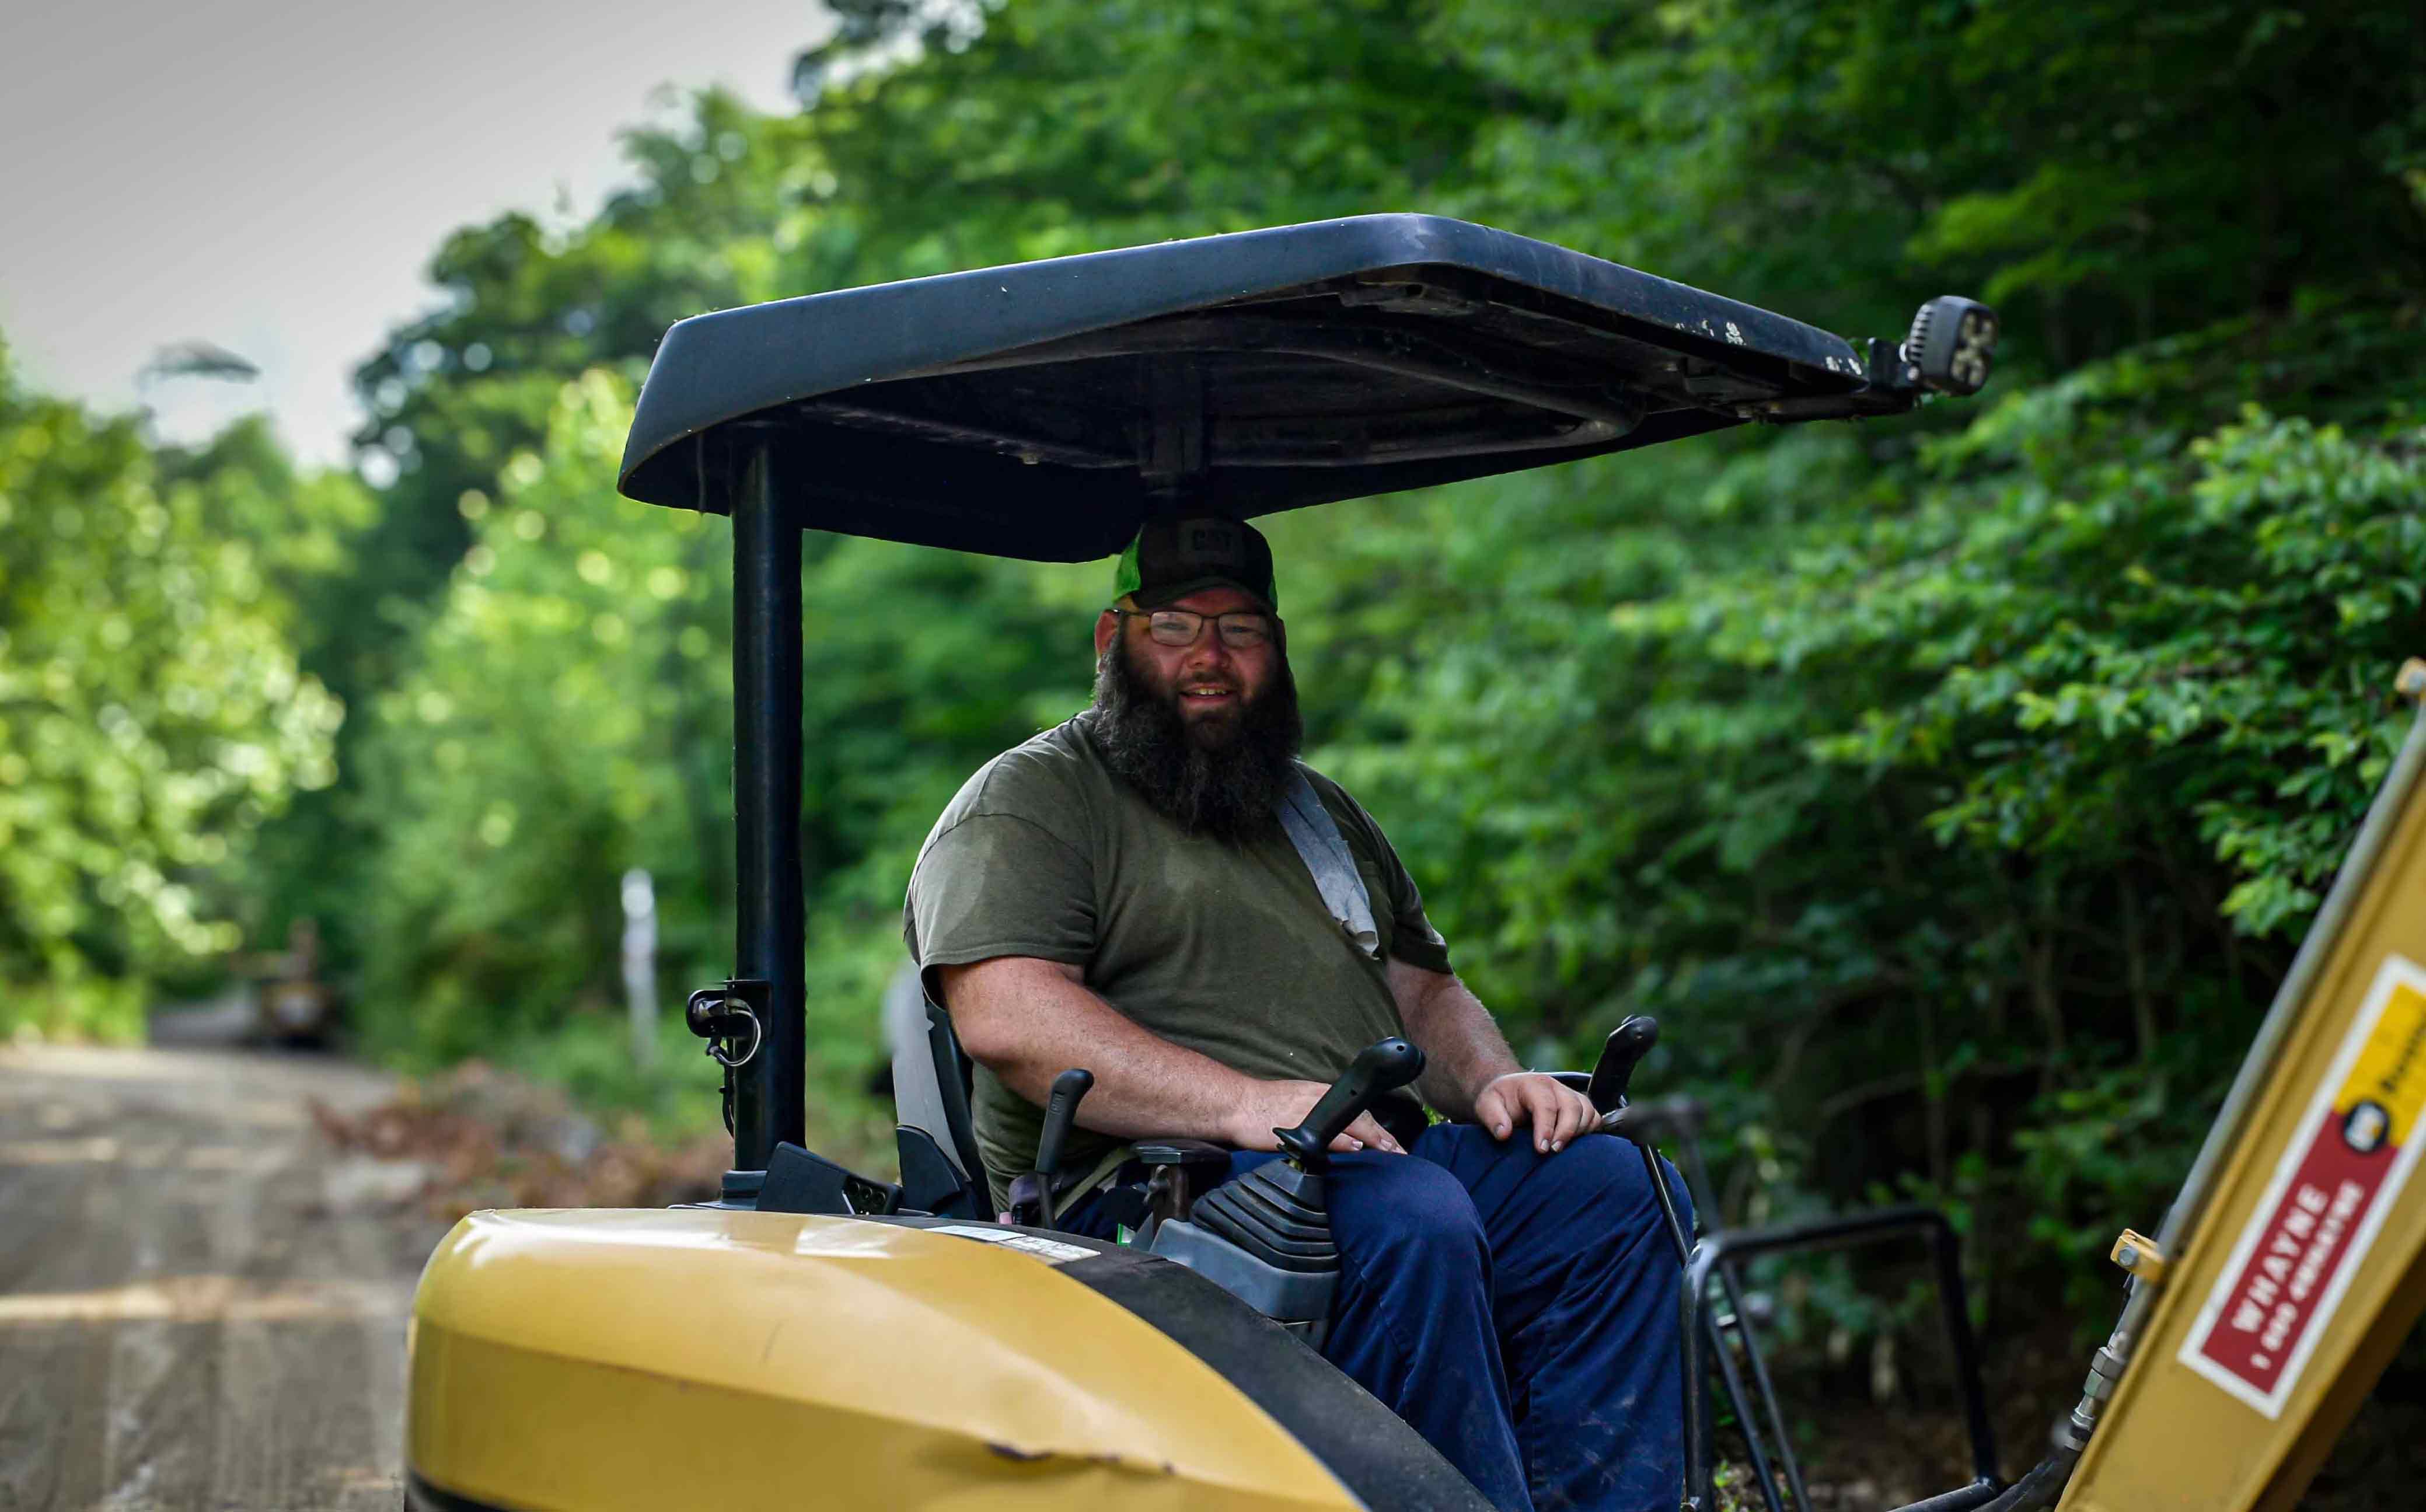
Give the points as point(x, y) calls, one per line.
point(1226, 780)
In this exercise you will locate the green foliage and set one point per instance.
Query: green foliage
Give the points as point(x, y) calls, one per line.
point(152, 711)
point(559, 728)
point(1955, 804)
point(2110, 172)
point(571, 719)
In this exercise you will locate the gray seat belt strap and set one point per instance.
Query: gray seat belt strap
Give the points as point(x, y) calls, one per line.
point(1328, 859)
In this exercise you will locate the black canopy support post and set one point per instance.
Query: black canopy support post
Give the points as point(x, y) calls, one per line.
point(767, 1103)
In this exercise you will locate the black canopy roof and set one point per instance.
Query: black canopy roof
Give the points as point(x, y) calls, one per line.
point(1041, 410)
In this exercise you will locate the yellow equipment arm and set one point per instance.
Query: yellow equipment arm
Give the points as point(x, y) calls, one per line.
point(2289, 1270)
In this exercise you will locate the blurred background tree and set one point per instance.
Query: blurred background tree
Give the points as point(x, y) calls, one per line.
point(1956, 787)
point(153, 711)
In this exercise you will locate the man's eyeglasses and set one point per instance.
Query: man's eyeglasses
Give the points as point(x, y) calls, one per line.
point(1239, 629)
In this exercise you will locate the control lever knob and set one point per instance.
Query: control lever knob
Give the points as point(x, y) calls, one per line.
point(1379, 1068)
point(1031, 1193)
point(1627, 1044)
point(1060, 1113)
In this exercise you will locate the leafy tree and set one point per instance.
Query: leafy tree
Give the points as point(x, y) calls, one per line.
point(152, 711)
point(2107, 172)
point(1957, 813)
point(1069, 125)
point(570, 718)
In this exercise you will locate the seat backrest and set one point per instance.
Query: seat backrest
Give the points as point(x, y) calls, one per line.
point(930, 1102)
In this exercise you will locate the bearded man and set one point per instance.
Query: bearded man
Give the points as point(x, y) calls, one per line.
point(1124, 893)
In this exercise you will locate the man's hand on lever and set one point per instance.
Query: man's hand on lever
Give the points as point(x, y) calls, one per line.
point(1471, 1073)
point(1276, 1106)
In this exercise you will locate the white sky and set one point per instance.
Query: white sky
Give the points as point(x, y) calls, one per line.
point(272, 176)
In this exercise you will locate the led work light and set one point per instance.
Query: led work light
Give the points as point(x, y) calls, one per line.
point(1952, 343)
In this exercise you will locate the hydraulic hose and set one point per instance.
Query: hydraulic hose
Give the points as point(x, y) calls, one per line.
point(2043, 1485)
point(2041, 1488)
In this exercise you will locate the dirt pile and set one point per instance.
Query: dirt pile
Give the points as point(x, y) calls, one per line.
point(490, 1139)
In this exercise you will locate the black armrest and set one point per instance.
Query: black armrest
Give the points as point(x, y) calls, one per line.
point(1188, 1154)
point(802, 1180)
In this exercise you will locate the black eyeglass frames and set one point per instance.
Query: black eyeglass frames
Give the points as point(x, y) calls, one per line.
point(1239, 629)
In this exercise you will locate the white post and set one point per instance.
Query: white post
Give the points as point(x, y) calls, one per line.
point(640, 964)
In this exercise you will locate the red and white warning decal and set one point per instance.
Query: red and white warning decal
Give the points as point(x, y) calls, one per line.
point(2337, 1182)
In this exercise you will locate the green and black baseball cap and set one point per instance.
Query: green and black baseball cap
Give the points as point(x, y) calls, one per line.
point(1180, 555)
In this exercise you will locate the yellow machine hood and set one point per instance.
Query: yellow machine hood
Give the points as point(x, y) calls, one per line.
point(652, 1360)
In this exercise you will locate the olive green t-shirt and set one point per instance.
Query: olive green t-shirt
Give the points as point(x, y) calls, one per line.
point(1225, 948)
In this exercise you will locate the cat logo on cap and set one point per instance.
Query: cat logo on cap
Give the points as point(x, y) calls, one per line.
point(1209, 542)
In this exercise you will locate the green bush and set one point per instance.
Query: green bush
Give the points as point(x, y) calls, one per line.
point(152, 713)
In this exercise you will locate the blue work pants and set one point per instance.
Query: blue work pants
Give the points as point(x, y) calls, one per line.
point(1518, 1310)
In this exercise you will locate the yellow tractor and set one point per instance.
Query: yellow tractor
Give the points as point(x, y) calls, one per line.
point(820, 1338)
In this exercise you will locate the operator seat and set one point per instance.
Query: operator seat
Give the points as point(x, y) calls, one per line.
point(940, 1170)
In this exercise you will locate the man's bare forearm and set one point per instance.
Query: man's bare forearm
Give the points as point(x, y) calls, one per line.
point(1029, 1020)
point(1463, 1045)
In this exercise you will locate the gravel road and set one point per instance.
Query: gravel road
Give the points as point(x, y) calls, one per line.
point(201, 1304)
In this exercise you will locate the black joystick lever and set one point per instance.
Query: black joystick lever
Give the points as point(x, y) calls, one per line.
point(1031, 1194)
point(1645, 1123)
point(1267, 1237)
point(1627, 1044)
point(1378, 1068)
